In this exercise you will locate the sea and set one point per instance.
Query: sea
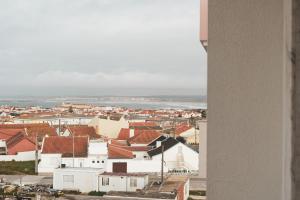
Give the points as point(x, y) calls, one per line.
point(132, 102)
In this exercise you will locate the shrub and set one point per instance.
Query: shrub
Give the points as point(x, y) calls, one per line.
point(96, 193)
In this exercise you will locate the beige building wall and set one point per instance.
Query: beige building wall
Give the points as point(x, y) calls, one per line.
point(202, 149)
point(249, 100)
point(108, 127)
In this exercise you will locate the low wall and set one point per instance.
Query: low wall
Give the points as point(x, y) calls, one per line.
point(21, 156)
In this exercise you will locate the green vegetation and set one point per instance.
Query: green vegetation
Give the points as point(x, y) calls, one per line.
point(95, 193)
point(74, 192)
point(17, 167)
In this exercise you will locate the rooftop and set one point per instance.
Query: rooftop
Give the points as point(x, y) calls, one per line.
point(64, 146)
point(124, 174)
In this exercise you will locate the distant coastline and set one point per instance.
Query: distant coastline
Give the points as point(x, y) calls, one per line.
point(134, 102)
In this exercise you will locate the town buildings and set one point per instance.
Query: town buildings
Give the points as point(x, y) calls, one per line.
point(112, 152)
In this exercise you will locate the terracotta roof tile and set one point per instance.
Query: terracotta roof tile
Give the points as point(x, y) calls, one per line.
point(16, 141)
point(144, 137)
point(133, 148)
point(182, 128)
point(40, 129)
point(119, 143)
point(148, 124)
point(115, 152)
point(124, 134)
point(64, 146)
point(83, 130)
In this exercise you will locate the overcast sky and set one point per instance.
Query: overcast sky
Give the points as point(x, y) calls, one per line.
point(101, 47)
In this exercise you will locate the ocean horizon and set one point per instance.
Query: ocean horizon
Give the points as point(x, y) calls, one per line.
point(133, 102)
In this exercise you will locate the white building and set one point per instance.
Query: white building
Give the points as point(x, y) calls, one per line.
point(122, 159)
point(97, 154)
point(55, 120)
point(81, 179)
point(57, 153)
point(122, 182)
point(135, 165)
point(177, 156)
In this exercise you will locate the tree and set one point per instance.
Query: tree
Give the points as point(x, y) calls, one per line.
point(2, 193)
point(203, 114)
point(71, 109)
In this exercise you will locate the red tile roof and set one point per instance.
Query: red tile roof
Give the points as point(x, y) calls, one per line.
point(21, 126)
point(23, 145)
point(123, 174)
point(144, 137)
point(6, 134)
point(115, 152)
point(64, 146)
point(40, 129)
point(124, 134)
point(148, 124)
point(182, 128)
point(16, 141)
point(119, 143)
point(133, 148)
point(83, 130)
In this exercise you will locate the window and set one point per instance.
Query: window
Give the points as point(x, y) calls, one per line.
point(68, 178)
point(105, 181)
point(133, 182)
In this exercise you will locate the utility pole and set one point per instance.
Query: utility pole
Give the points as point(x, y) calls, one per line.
point(59, 127)
point(36, 154)
point(73, 145)
point(162, 163)
point(73, 151)
point(195, 127)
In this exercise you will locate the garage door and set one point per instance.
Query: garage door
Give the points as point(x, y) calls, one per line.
point(120, 167)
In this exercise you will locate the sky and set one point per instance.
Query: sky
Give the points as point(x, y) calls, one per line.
point(101, 47)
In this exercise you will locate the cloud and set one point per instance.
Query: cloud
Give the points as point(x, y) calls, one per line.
point(111, 80)
point(100, 43)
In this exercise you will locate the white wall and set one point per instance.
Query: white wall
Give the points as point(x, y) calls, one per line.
point(122, 183)
point(49, 162)
point(97, 147)
point(146, 166)
point(55, 121)
point(21, 156)
point(191, 158)
point(140, 155)
point(84, 180)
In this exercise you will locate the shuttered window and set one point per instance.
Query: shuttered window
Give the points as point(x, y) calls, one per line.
point(105, 181)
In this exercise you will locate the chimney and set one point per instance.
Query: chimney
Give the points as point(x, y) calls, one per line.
point(158, 144)
point(131, 132)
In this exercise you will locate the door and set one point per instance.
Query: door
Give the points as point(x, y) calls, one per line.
point(120, 167)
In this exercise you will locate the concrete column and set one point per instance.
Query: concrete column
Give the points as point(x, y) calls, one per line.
point(249, 100)
point(296, 98)
point(202, 149)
